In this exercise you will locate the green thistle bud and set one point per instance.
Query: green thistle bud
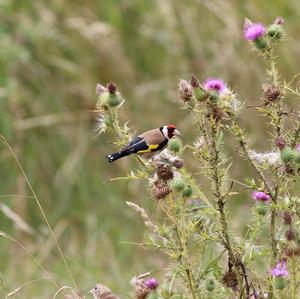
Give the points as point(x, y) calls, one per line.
point(187, 191)
point(108, 121)
point(112, 100)
point(175, 145)
point(200, 94)
point(260, 43)
point(261, 209)
point(297, 158)
point(287, 155)
point(210, 285)
point(280, 283)
point(214, 96)
point(275, 31)
point(177, 184)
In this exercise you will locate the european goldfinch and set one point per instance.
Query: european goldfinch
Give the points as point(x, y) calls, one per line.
point(148, 143)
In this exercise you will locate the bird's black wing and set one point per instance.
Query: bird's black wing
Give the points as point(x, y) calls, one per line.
point(136, 145)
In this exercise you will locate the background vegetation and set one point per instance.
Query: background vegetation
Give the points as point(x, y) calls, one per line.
point(52, 54)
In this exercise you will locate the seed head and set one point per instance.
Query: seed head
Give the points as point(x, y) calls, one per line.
point(229, 280)
point(161, 190)
point(141, 292)
point(100, 89)
point(272, 93)
point(185, 90)
point(164, 172)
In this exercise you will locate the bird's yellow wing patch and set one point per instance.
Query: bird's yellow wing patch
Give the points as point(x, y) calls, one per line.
point(149, 149)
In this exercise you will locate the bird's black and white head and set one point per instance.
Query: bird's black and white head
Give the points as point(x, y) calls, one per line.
point(169, 131)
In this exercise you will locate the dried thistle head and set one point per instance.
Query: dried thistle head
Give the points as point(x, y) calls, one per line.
point(287, 218)
point(217, 113)
point(100, 89)
point(141, 291)
point(178, 163)
point(292, 251)
point(100, 291)
point(230, 281)
point(272, 93)
point(164, 172)
point(185, 90)
point(161, 190)
point(194, 82)
point(290, 234)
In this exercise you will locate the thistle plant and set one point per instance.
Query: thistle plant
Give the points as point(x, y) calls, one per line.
point(207, 258)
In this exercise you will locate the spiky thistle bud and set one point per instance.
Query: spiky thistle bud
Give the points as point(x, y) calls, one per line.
point(275, 31)
point(261, 209)
point(280, 142)
point(178, 163)
point(175, 145)
point(210, 285)
point(272, 93)
point(287, 218)
point(290, 234)
point(187, 191)
point(280, 283)
point(177, 184)
point(287, 155)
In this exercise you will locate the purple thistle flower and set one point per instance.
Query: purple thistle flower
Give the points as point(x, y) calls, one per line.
point(215, 84)
point(253, 31)
point(279, 21)
point(261, 196)
point(151, 283)
point(298, 148)
point(280, 270)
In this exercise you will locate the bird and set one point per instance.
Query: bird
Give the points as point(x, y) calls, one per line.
point(147, 144)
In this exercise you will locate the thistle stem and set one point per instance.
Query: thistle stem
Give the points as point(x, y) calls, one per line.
point(221, 202)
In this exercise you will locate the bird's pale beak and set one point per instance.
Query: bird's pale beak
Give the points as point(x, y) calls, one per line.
point(176, 132)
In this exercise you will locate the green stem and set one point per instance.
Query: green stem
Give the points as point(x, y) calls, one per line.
point(221, 202)
point(294, 277)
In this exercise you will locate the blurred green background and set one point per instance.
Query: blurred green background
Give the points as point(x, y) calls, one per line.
point(52, 54)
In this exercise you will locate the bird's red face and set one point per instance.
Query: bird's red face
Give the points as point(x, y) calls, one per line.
point(172, 131)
